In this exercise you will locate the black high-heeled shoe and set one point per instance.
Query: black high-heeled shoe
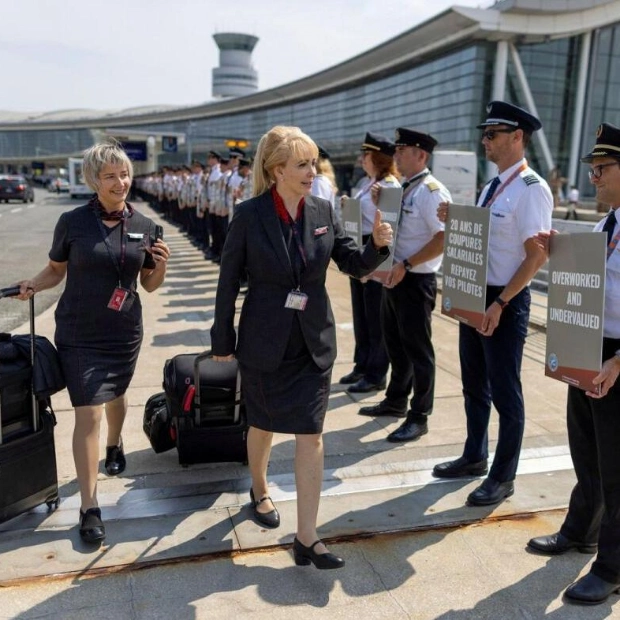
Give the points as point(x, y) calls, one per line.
point(115, 461)
point(268, 519)
point(324, 561)
point(92, 529)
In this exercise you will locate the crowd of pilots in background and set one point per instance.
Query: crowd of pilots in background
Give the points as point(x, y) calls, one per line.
point(201, 198)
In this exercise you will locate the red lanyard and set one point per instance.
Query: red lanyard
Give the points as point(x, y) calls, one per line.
point(612, 244)
point(504, 185)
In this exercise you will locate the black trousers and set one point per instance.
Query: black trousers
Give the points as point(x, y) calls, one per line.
point(370, 356)
point(594, 440)
point(491, 373)
point(406, 313)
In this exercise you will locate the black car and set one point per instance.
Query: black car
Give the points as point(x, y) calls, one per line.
point(14, 187)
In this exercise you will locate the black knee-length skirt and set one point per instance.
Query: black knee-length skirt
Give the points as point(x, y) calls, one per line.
point(291, 399)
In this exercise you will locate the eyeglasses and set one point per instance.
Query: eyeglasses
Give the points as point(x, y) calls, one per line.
point(490, 134)
point(596, 172)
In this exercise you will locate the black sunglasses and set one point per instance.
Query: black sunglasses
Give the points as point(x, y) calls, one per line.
point(490, 134)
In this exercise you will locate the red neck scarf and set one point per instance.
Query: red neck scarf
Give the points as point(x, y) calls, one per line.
point(281, 211)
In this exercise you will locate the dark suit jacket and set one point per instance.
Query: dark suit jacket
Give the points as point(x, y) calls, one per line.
point(255, 243)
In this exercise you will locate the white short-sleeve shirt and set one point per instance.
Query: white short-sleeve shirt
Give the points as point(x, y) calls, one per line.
point(323, 188)
point(367, 205)
point(611, 320)
point(419, 222)
point(519, 211)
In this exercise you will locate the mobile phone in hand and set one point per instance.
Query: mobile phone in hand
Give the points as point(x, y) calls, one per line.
point(158, 234)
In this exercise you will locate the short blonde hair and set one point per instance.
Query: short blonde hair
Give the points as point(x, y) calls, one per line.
point(274, 149)
point(100, 155)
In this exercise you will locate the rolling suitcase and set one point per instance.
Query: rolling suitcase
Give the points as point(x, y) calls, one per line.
point(28, 475)
point(206, 409)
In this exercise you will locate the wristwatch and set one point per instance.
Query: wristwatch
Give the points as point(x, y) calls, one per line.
point(407, 265)
point(500, 302)
point(617, 354)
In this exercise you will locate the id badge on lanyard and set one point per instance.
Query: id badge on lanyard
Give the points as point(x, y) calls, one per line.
point(296, 300)
point(120, 293)
point(118, 299)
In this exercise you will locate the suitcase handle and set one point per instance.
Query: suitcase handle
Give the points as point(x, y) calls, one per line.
point(10, 291)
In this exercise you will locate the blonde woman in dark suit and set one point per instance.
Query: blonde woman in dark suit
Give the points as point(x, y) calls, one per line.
point(286, 346)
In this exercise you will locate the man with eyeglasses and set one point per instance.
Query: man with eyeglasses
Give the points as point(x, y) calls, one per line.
point(593, 518)
point(521, 205)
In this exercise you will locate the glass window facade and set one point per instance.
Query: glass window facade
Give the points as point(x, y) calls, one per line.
point(444, 95)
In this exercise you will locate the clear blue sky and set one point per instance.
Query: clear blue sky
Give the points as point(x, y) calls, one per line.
point(61, 54)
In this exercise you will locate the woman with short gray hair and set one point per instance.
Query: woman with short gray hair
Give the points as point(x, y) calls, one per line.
point(103, 248)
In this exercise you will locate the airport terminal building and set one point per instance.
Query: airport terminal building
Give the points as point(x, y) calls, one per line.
point(558, 58)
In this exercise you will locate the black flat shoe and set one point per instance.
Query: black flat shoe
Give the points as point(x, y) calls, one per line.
point(352, 377)
point(115, 461)
point(92, 529)
point(306, 555)
point(490, 492)
point(459, 468)
point(384, 408)
point(268, 519)
point(408, 431)
point(555, 544)
point(590, 590)
point(363, 386)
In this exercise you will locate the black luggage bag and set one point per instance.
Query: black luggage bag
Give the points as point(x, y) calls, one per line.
point(206, 409)
point(28, 475)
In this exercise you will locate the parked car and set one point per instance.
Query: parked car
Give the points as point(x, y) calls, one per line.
point(15, 187)
point(58, 185)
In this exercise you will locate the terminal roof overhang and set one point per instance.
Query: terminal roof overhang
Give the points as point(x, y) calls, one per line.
point(449, 29)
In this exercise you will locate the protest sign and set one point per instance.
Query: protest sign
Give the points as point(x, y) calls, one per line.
point(352, 219)
point(465, 256)
point(575, 306)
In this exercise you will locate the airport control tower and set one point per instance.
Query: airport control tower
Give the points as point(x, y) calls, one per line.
point(235, 76)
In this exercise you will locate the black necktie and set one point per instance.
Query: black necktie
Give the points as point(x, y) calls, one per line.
point(490, 192)
point(610, 224)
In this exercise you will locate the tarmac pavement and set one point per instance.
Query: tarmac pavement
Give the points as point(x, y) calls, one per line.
point(413, 548)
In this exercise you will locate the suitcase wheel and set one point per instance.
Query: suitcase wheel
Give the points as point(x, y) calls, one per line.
point(53, 504)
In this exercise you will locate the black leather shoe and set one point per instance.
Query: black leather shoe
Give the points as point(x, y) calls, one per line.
point(352, 377)
point(555, 544)
point(362, 386)
point(115, 461)
point(459, 468)
point(408, 431)
point(92, 529)
point(490, 492)
point(306, 555)
point(383, 408)
point(590, 590)
point(268, 519)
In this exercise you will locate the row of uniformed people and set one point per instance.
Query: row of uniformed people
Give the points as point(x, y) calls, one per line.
point(201, 199)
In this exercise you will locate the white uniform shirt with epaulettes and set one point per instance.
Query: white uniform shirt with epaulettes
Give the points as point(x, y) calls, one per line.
point(184, 191)
point(245, 188)
point(368, 207)
point(220, 200)
point(611, 316)
point(212, 183)
point(521, 210)
point(233, 182)
point(418, 220)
